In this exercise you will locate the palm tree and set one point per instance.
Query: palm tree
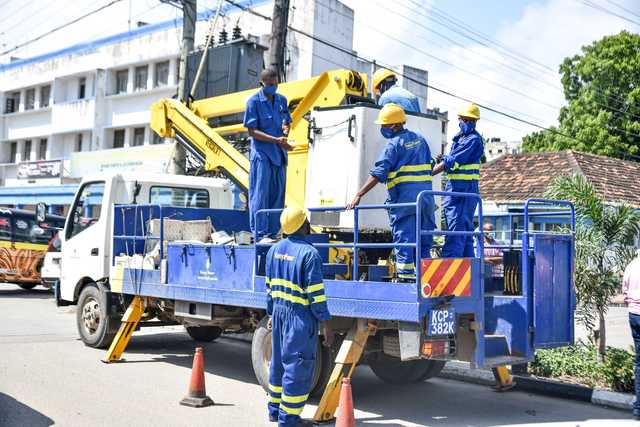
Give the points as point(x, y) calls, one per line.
point(605, 236)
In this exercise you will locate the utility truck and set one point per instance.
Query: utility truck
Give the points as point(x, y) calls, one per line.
point(132, 258)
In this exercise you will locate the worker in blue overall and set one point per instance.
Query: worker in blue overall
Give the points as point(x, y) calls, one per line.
point(405, 167)
point(267, 119)
point(386, 84)
point(297, 305)
point(462, 166)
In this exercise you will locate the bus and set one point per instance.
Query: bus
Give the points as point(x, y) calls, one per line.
point(23, 244)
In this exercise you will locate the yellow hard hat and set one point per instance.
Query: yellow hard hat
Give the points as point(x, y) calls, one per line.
point(391, 114)
point(292, 218)
point(379, 76)
point(470, 110)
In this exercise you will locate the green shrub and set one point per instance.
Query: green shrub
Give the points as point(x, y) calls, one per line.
point(579, 363)
point(618, 369)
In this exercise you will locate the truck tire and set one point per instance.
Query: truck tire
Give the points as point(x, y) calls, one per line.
point(394, 371)
point(204, 333)
point(94, 324)
point(261, 357)
point(27, 286)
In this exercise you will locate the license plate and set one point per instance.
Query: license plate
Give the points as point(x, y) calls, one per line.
point(442, 322)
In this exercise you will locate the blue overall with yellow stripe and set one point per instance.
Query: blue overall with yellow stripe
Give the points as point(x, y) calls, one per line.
point(296, 303)
point(268, 162)
point(462, 165)
point(405, 166)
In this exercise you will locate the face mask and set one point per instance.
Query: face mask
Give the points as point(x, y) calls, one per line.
point(270, 90)
point(466, 127)
point(387, 132)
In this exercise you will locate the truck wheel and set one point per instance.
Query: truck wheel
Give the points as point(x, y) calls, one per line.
point(93, 322)
point(394, 371)
point(27, 286)
point(261, 357)
point(204, 333)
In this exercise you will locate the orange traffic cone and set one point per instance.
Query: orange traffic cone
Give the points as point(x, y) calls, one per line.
point(197, 395)
point(346, 417)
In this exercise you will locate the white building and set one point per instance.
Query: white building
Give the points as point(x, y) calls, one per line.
point(87, 107)
point(495, 148)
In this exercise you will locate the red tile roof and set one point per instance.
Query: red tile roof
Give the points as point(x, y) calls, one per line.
point(516, 177)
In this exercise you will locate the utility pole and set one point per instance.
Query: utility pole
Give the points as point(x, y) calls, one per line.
point(279, 36)
point(189, 8)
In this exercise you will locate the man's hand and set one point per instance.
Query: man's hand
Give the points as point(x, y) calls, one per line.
point(284, 143)
point(439, 158)
point(269, 324)
point(327, 333)
point(355, 202)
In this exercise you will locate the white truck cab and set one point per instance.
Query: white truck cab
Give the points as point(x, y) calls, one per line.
point(87, 235)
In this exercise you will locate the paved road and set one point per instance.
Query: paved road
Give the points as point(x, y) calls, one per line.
point(48, 377)
point(618, 332)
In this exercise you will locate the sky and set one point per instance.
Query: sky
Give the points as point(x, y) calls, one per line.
point(509, 62)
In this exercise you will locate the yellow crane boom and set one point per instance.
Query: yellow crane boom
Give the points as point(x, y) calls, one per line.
point(190, 126)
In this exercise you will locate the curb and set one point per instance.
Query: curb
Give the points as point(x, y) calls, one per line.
point(462, 372)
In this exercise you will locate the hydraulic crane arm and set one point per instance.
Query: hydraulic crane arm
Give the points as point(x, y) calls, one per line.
point(172, 118)
point(189, 124)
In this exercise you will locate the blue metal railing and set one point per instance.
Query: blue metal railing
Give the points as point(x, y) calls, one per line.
point(134, 237)
point(418, 205)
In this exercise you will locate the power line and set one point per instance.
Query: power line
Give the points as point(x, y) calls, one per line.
point(623, 8)
point(536, 78)
point(607, 11)
point(59, 27)
point(445, 92)
point(459, 27)
point(608, 107)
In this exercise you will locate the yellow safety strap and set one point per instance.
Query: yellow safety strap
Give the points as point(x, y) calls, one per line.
point(408, 178)
point(295, 399)
point(464, 176)
point(292, 411)
point(320, 298)
point(288, 297)
point(410, 168)
point(287, 284)
point(314, 288)
point(275, 388)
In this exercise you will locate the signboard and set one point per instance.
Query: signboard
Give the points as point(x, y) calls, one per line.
point(42, 169)
point(149, 158)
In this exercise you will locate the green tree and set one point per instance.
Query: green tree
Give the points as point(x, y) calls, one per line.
point(602, 89)
point(604, 246)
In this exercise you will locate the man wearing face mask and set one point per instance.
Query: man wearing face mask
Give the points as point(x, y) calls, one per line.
point(386, 84)
point(405, 167)
point(462, 166)
point(267, 119)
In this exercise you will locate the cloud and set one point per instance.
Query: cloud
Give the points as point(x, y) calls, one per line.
point(546, 32)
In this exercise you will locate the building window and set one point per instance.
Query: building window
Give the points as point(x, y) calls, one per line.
point(118, 138)
point(30, 99)
point(162, 74)
point(138, 137)
point(26, 151)
point(78, 142)
point(12, 103)
point(122, 77)
point(45, 93)
point(141, 77)
point(156, 139)
point(82, 87)
point(42, 149)
point(13, 152)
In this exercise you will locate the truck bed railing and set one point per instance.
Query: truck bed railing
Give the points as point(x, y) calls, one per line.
point(418, 205)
